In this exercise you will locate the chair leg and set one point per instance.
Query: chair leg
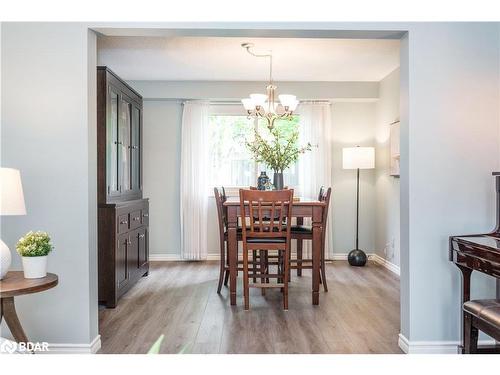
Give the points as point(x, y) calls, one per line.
point(299, 257)
point(267, 265)
point(254, 265)
point(262, 270)
point(222, 267)
point(285, 279)
point(226, 277)
point(470, 335)
point(245, 279)
point(323, 273)
point(289, 260)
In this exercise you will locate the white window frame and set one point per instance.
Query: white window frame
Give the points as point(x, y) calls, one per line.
point(236, 109)
point(232, 110)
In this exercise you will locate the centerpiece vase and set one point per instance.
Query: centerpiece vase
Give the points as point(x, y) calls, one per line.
point(278, 180)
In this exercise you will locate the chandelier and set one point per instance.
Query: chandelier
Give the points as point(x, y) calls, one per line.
point(264, 105)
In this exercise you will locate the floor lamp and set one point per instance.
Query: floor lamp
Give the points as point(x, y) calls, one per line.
point(358, 158)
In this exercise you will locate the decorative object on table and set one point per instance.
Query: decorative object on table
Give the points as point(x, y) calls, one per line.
point(262, 181)
point(264, 105)
point(14, 284)
point(269, 186)
point(278, 149)
point(394, 148)
point(358, 158)
point(11, 203)
point(34, 248)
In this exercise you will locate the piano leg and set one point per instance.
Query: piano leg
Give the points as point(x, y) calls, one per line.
point(498, 297)
point(466, 272)
point(470, 335)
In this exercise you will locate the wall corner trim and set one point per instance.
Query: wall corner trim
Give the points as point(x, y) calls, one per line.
point(91, 348)
point(433, 347)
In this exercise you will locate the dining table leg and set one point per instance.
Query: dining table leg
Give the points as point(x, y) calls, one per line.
point(232, 249)
point(316, 251)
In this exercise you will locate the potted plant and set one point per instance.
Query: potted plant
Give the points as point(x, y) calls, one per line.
point(278, 150)
point(34, 248)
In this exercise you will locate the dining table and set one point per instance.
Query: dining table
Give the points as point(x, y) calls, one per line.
point(301, 208)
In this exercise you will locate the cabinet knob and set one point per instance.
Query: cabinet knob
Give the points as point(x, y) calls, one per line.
point(145, 215)
point(136, 218)
point(124, 222)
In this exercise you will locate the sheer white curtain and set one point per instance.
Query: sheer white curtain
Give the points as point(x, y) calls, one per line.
point(315, 167)
point(194, 180)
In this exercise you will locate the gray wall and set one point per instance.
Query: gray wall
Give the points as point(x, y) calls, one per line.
point(386, 186)
point(162, 153)
point(48, 132)
point(452, 132)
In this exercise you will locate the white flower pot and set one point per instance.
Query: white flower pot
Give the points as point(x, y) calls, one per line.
point(35, 267)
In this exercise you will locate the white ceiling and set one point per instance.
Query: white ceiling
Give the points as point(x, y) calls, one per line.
point(223, 59)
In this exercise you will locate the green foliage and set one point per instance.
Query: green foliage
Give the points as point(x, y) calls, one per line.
point(277, 145)
point(155, 349)
point(34, 244)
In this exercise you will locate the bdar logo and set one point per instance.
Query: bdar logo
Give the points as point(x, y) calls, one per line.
point(8, 346)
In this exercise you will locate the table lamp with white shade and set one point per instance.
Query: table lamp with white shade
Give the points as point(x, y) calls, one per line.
point(11, 203)
point(358, 158)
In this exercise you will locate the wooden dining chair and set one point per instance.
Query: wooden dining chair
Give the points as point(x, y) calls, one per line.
point(301, 232)
point(269, 214)
point(220, 198)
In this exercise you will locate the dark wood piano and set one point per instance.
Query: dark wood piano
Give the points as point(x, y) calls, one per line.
point(478, 252)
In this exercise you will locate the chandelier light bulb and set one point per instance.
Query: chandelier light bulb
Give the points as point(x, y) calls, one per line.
point(259, 100)
point(248, 104)
point(287, 100)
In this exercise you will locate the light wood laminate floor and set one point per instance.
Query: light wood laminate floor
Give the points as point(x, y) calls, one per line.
point(359, 314)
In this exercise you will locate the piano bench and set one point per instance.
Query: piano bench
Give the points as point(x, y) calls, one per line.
point(481, 315)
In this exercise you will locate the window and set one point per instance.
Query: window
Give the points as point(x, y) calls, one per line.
point(231, 165)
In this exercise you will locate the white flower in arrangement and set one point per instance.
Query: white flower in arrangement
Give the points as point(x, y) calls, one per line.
point(34, 244)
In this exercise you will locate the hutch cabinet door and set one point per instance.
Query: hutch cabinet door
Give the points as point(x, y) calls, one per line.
point(122, 269)
point(133, 251)
point(136, 149)
point(112, 142)
point(143, 246)
point(124, 153)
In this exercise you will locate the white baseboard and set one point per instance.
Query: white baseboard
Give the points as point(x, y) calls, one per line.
point(374, 257)
point(385, 263)
point(176, 257)
point(433, 347)
point(91, 348)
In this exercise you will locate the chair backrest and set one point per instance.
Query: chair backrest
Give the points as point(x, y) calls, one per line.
point(220, 198)
point(269, 213)
point(324, 196)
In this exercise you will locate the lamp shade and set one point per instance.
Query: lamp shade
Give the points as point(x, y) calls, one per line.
point(11, 192)
point(248, 104)
point(358, 158)
point(258, 99)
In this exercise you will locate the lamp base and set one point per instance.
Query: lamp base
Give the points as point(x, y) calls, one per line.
point(357, 258)
point(5, 259)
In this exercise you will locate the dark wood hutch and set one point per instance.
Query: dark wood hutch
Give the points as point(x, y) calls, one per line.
point(123, 213)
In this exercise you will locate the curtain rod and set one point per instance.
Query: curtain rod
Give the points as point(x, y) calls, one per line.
point(223, 102)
